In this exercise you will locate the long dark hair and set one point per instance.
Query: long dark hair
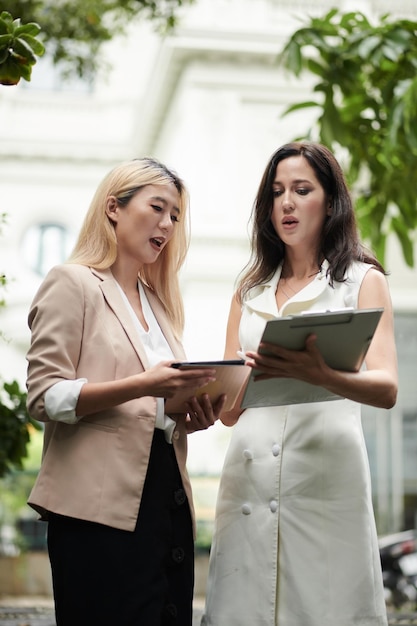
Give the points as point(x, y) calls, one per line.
point(340, 243)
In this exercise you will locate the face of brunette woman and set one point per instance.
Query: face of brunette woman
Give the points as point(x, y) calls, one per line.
point(300, 203)
point(145, 225)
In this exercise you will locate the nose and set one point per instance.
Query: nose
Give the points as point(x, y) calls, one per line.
point(287, 203)
point(165, 222)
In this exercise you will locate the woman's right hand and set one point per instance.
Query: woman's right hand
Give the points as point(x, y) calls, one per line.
point(164, 381)
point(160, 381)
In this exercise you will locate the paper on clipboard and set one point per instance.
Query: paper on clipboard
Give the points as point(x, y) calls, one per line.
point(230, 377)
point(343, 338)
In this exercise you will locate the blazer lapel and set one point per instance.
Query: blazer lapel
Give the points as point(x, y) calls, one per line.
point(114, 300)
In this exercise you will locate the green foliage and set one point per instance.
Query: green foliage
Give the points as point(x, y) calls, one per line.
point(15, 488)
point(75, 30)
point(16, 485)
point(19, 48)
point(15, 422)
point(15, 427)
point(204, 535)
point(366, 83)
point(2, 285)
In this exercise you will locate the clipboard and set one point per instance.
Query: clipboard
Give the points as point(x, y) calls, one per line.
point(343, 338)
point(230, 377)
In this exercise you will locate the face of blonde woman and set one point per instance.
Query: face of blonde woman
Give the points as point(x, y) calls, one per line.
point(145, 225)
point(300, 203)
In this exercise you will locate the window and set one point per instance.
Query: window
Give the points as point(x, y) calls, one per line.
point(46, 245)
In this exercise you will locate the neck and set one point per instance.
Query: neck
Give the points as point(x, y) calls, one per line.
point(299, 271)
point(126, 276)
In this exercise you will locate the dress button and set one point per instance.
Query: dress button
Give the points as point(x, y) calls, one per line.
point(179, 496)
point(273, 505)
point(275, 449)
point(177, 554)
point(247, 454)
point(246, 509)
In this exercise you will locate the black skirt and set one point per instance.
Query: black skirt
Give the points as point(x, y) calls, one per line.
point(104, 576)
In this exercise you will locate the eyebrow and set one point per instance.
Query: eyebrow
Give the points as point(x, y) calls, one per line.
point(163, 201)
point(296, 182)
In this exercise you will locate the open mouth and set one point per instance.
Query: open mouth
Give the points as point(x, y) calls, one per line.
point(289, 221)
point(157, 242)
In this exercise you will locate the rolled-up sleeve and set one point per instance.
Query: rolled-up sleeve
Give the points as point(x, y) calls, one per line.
point(56, 320)
point(61, 400)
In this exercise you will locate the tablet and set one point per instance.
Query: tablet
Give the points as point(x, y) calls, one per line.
point(230, 378)
point(192, 365)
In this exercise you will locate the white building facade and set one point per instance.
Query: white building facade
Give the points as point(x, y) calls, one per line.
point(208, 101)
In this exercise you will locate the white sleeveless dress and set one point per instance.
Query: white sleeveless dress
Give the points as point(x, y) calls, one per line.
point(295, 542)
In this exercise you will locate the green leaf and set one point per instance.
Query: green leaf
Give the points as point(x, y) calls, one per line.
point(10, 73)
point(22, 49)
point(406, 244)
point(31, 28)
point(16, 23)
point(368, 45)
point(316, 67)
point(26, 72)
point(6, 17)
point(400, 36)
point(4, 28)
point(3, 55)
point(301, 105)
point(5, 40)
point(37, 47)
point(14, 427)
point(410, 114)
point(379, 246)
point(392, 51)
point(291, 57)
point(354, 20)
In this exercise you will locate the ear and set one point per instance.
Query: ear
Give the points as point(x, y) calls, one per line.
point(112, 209)
point(329, 207)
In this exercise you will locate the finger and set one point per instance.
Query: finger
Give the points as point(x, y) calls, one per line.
point(198, 373)
point(276, 364)
point(201, 411)
point(212, 411)
point(250, 357)
point(311, 342)
point(269, 348)
point(197, 378)
point(194, 410)
point(219, 405)
point(191, 371)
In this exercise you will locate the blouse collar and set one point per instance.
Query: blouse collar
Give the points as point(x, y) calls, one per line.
point(261, 299)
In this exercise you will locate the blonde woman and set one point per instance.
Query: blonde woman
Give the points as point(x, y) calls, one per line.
point(113, 484)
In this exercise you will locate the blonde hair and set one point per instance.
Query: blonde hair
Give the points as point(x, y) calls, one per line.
point(97, 243)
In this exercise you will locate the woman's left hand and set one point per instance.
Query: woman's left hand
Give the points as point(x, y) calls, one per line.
point(307, 365)
point(202, 413)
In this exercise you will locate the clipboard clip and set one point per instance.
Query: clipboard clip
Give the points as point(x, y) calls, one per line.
point(306, 318)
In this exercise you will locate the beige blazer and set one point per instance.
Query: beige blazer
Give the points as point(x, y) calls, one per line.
point(95, 469)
